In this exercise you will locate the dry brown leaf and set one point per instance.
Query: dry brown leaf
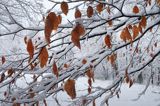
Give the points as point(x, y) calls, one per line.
point(140, 28)
point(78, 13)
point(43, 57)
point(51, 23)
point(89, 11)
point(107, 41)
point(89, 90)
point(75, 39)
point(99, 8)
point(3, 59)
point(55, 70)
point(135, 9)
point(30, 48)
point(90, 74)
point(130, 83)
point(108, 10)
point(127, 34)
point(135, 31)
point(110, 23)
point(2, 77)
point(64, 7)
point(10, 72)
point(143, 22)
point(158, 2)
point(65, 65)
point(69, 87)
point(84, 61)
point(90, 82)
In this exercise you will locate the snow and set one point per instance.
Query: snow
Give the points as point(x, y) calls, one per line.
point(127, 95)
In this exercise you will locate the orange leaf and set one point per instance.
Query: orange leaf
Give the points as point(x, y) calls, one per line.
point(135, 31)
point(143, 22)
point(140, 28)
point(51, 23)
point(75, 39)
point(55, 70)
point(43, 57)
point(64, 7)
point(84, 61)
point(107, 41)
point(69, 87)
point(77, 13)
point(99, 7)
point(90, 74)
point(135, 9)
point(3, 59)
point(30, 48)
point(89, 11)
point(127, 34)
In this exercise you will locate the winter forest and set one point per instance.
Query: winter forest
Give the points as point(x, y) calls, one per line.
point(79, 52)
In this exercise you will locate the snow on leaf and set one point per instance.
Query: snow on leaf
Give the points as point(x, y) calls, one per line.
point(89, 11)
point(78, 13)
point(30, 48)
point(90, 74)
point(55, 69)
point(69, 87)
point(3, 59)
point(64, 7)
point(135, 9)
point(107, 41)
point(43, 57)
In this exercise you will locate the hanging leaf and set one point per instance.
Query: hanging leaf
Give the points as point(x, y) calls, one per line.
point(84, 61)
point(43, 57)
point(135, 9)
point(99, 8)
point(77, 13)
point(69, 87)
point(2, 76)
point(107, 41)
point(110, 23)
point(135, 31)
point(25, 39)
point(10, 72)
point(89, 11)
point(90, 74)
point(3, 59)
point(127, 34)
point(64, 7)
point(78, 31)
point(51, 23)
point(30, 48)
point(75, 39)
point(66, 66)
point(89, 90)
point(55, 70)
point(90, 82)
point(143, 22)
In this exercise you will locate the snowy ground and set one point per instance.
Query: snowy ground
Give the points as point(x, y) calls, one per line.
point(127, 95)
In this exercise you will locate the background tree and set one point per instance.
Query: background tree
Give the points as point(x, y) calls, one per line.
point(74, 38)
